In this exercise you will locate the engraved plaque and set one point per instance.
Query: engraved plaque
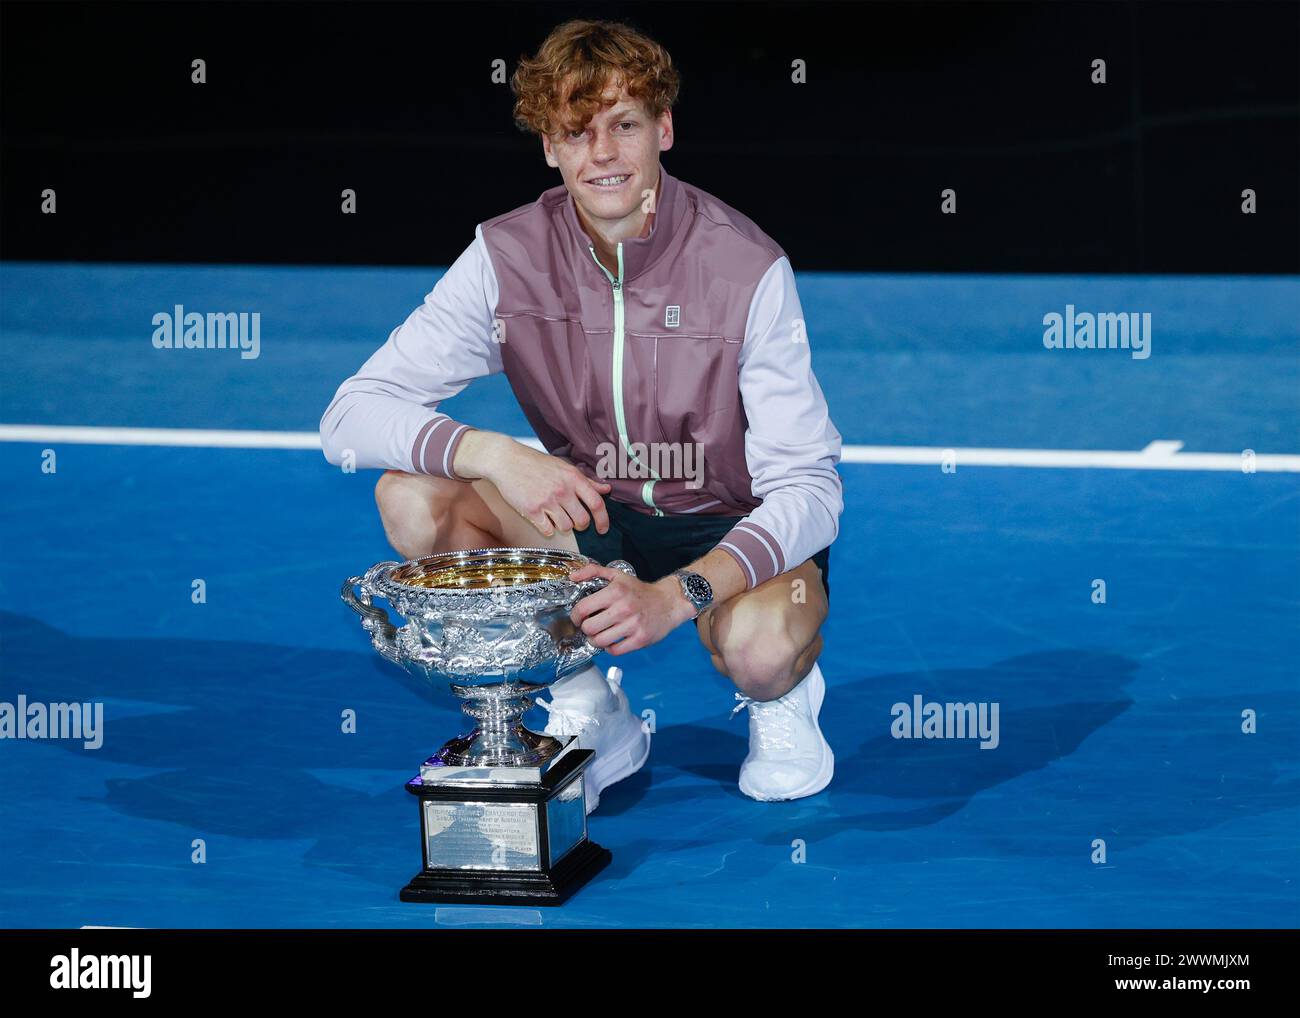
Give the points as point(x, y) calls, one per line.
point(482, 835)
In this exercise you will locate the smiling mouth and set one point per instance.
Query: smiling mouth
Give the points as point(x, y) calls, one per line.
point(611, 182)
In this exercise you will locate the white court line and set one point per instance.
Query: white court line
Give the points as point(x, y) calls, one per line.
point(196, 437)
point(1162, 454)
point(1112, 459)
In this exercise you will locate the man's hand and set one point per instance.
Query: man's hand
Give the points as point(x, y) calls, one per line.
point(550, 493)
point(629, 614)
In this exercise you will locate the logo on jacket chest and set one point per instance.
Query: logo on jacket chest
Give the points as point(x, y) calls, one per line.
point(672, 316)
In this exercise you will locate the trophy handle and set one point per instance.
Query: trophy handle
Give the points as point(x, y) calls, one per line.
point(599, 582)
point(374, 620)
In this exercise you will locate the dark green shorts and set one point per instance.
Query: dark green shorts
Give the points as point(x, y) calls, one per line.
point(656, 545)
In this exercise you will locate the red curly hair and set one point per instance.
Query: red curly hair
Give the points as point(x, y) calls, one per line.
point(561, 88)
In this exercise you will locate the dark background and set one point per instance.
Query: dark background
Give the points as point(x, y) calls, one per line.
point(1053, 173)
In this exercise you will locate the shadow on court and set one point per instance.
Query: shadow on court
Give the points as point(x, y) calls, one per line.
point(251, 745)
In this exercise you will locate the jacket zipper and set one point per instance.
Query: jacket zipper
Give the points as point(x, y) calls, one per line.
point(647, 489)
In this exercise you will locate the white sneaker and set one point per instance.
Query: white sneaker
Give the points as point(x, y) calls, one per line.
point(594, 708)
point(789, 757)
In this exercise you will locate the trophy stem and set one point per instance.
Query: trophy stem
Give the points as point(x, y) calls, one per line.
point(500, 739)
point(498, 717)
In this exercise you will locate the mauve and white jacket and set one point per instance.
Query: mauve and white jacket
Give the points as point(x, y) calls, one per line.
point(701, 340)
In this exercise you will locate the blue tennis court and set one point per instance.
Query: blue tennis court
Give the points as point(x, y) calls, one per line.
point(1119, 722)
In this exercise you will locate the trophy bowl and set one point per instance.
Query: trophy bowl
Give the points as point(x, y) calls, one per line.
point(490, 627)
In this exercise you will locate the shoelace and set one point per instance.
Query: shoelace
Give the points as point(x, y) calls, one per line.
point(566, 722)
point(570, 722)
point(775, 721)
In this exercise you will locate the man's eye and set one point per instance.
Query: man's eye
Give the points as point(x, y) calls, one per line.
point(575, 135)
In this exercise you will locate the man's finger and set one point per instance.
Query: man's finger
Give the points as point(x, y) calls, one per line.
point(613, 634)
point(559, 520)
point(589, 605)
point(592, 570)
point(597, 506)
point(599, 621)
point(624, 646)
point(542, 524)
point(577, 514)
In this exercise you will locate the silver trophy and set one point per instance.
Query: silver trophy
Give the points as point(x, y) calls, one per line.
point(503, 814)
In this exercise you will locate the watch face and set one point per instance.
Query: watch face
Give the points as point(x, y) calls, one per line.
point(697, 587)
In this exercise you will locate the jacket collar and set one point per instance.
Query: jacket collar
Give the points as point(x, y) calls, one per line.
point(639, 253)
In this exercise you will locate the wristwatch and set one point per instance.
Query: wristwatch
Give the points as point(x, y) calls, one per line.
point(696, 589)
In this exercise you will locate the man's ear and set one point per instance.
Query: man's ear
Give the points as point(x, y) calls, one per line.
point(665, 125)
point(546, 151)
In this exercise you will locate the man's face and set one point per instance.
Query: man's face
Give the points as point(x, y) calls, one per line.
point(621, 141)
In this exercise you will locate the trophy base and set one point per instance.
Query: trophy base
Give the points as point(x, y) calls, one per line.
point(494, 888)
point(504, 835)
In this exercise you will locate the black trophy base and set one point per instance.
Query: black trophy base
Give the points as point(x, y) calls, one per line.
point(465, 823)
point(497, 888)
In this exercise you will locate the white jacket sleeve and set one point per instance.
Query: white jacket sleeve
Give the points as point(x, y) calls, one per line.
point(386, 414)
point(791, 446)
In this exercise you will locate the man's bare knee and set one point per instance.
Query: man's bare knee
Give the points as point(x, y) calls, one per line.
point(415, 511)
point(762, 652)
point(763, 669)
